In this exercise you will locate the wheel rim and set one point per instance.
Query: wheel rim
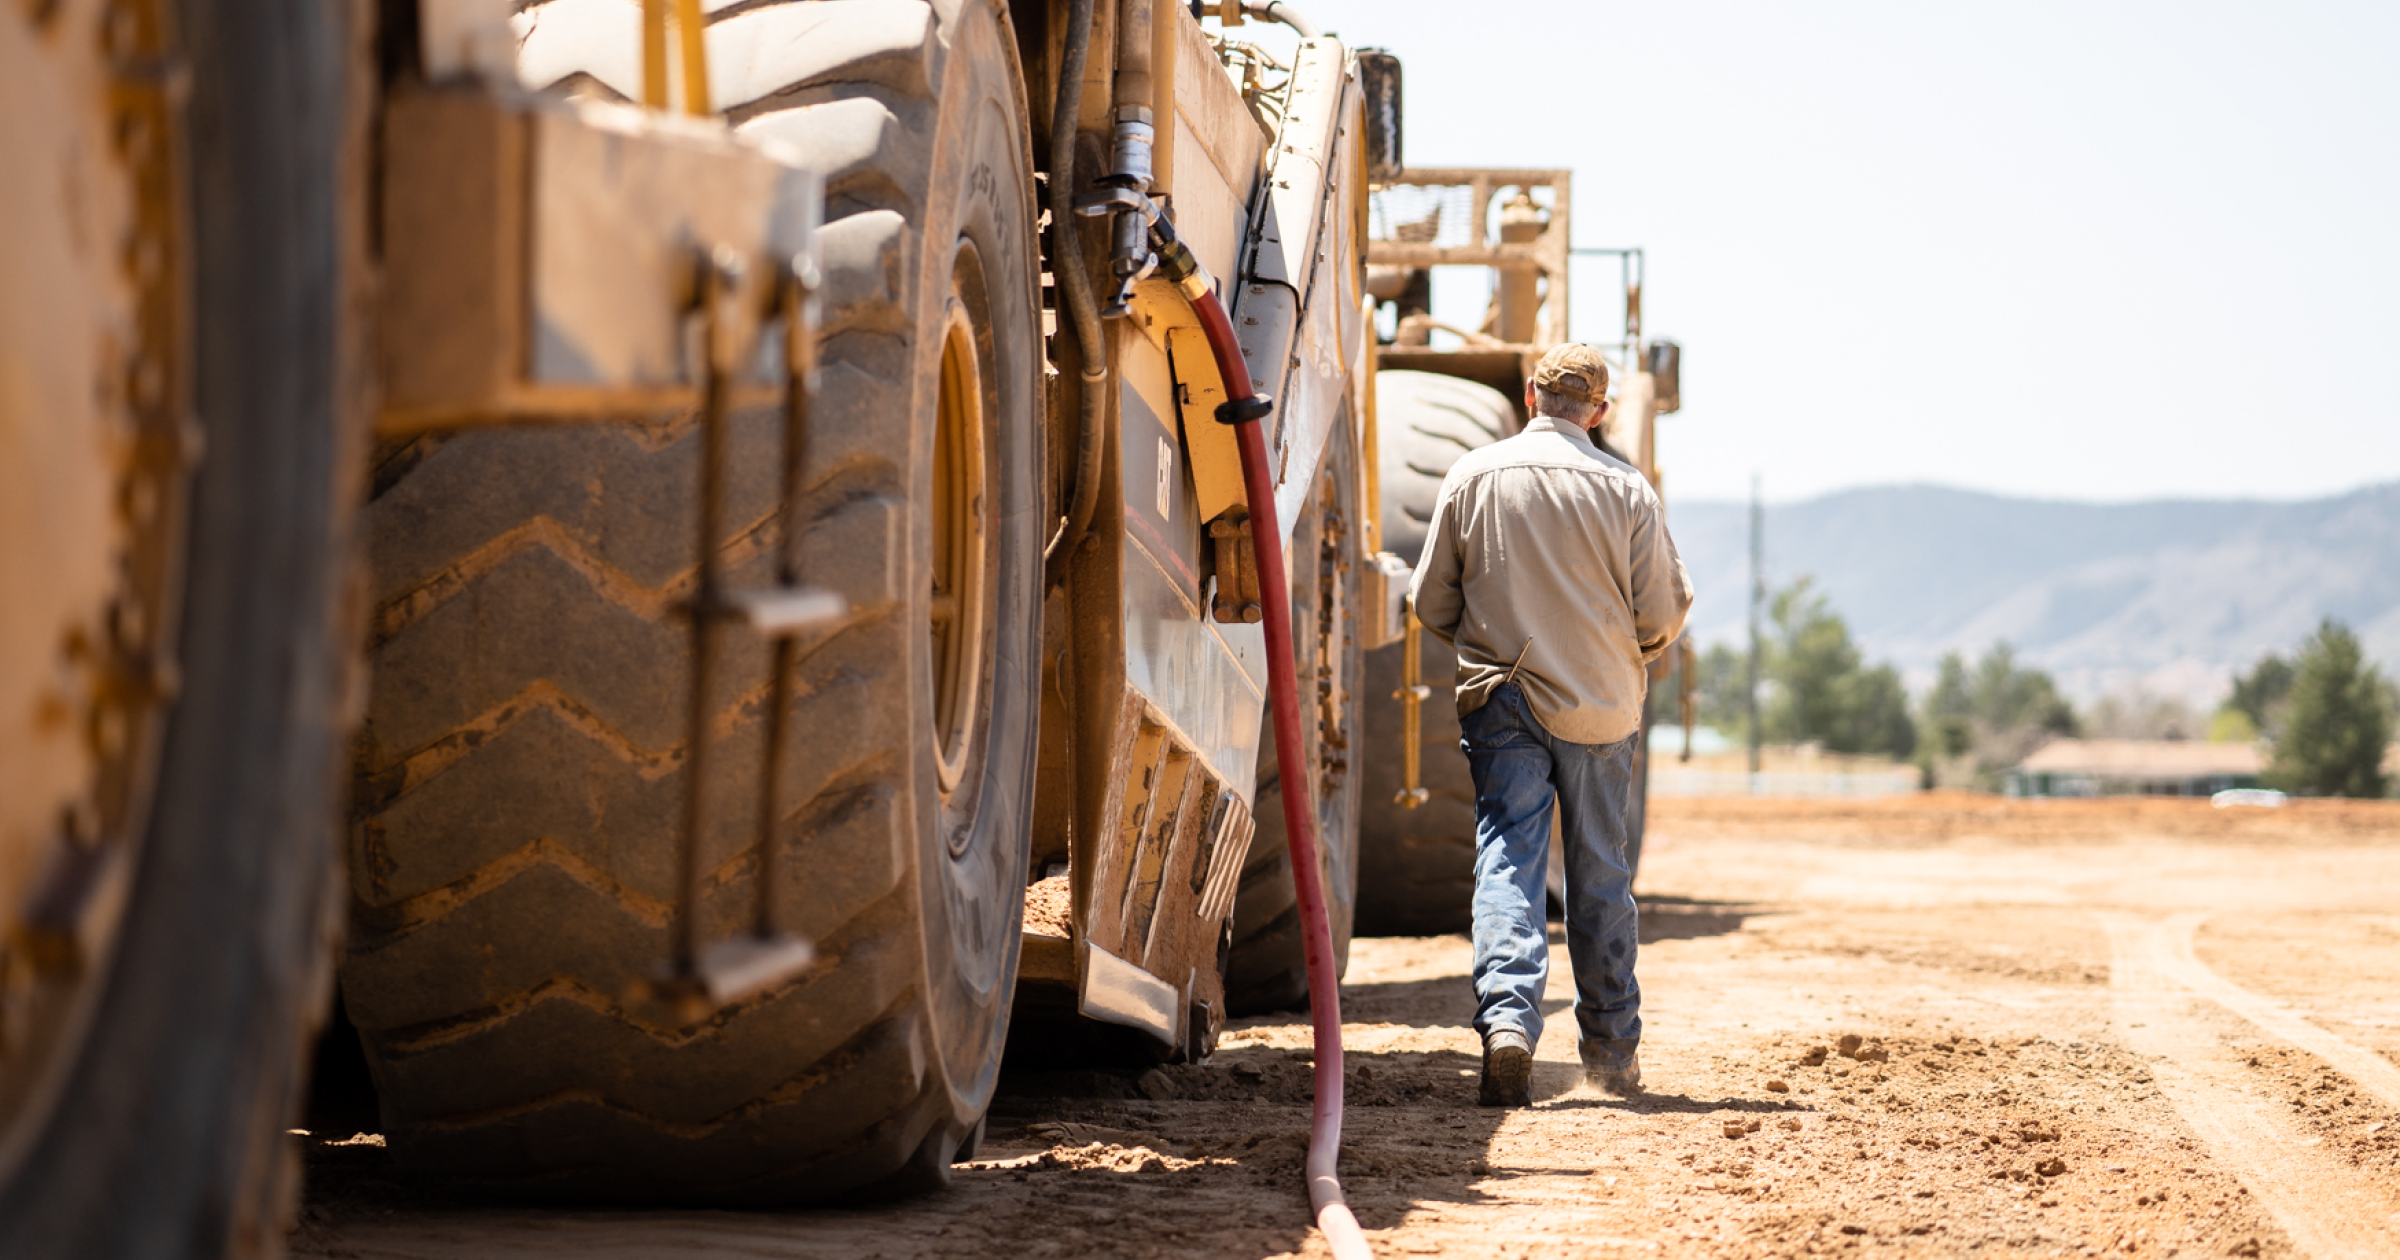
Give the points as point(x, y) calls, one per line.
point(1338, 661)
point(1334, 685)
point(93, 344)
point(1338, 668)
point(960, 612)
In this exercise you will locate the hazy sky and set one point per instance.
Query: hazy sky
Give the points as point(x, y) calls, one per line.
point(2093, 251)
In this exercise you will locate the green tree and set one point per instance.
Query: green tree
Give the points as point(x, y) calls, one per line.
point(2009, 697)
point(2261, 695)
point(1817, 685)
point(1823, 688)
point(2231, 726)
point(1874, 708)
point(1721, 681)
point(1981, 719)
point(1949, 711)
point(2336, 720)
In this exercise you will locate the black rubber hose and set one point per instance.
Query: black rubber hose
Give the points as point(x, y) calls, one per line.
point(1075, 288)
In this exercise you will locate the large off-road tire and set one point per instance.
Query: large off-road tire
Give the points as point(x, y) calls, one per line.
point(522, 763)
point(1417, 866)
point(156, 1124)
point(1268, 969)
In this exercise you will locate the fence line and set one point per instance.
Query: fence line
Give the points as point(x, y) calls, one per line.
point(1666, 782)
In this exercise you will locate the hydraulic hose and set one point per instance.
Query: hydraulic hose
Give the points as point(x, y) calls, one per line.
point(1243, 409)
point(1075, 287)
point(1278, 11)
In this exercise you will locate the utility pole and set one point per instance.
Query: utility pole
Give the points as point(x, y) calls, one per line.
point(1758, 597)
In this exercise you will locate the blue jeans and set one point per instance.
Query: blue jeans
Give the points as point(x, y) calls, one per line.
point(1520, 771)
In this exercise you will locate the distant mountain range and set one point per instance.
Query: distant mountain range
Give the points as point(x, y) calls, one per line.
point(2173, 596)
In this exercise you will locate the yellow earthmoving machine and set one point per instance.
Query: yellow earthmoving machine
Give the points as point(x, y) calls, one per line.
point(1435, 403)
point(729, 502)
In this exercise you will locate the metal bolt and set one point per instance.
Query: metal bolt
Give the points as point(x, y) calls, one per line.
point(107, 732)
point(126, 623)
point(145, 258)
point(146, 379)
point(141, 501)
point(136, 135)
point(121, 32)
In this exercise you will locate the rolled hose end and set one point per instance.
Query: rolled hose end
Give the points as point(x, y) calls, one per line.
point(1245, 410)
point(1299, 823)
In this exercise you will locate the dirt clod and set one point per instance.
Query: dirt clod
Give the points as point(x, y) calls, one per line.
point(1856, 1047)
point(1779, 1086)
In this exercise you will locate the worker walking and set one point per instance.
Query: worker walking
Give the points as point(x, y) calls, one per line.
point(1547, 566)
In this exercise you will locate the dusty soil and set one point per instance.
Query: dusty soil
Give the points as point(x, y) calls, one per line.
point(1939, 1025)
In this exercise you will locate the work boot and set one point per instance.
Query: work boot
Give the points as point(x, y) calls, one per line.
point(1507, 1069)
point(1613, 1067)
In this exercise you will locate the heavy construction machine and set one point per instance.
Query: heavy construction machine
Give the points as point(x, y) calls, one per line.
point(737, 501)
point(1434, 403)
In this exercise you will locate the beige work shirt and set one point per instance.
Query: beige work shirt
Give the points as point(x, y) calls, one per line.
point(1544, 536)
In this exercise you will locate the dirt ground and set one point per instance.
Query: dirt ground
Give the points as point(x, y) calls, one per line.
point(1938, 1025)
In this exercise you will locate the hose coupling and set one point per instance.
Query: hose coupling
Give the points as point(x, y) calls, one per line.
point(1177, 263)
point(1132, 142)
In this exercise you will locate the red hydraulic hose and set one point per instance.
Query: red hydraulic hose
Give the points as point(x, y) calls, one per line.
point(1243, 409)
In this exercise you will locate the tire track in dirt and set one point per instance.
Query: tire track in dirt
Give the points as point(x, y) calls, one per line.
point(2371, 1071)
point(2331, 1210)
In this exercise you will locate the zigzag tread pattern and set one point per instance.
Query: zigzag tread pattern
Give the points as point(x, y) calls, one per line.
point(588, 966)
point(388, 779)
point(671, 1124)
point(537, 1022)
point(399, 611)
point(424, 855)
point(534, 619)
point(702, 1081)
point(799, 1139)
point(623, 520)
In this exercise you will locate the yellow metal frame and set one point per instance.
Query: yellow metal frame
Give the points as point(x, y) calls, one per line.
point(691, 30)
point(1411, 695)
point(1370, 456)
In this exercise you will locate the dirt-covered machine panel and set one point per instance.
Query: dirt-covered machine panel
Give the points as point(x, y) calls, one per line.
point(1262, 175)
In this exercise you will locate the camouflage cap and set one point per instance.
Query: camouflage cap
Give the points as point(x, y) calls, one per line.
point(1573, 370)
